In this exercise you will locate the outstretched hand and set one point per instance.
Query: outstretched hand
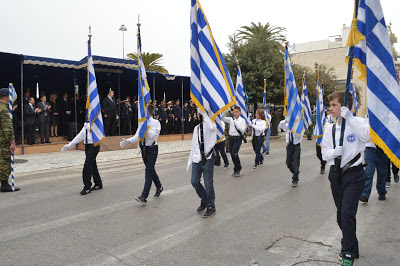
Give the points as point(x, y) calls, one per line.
point(123, 143)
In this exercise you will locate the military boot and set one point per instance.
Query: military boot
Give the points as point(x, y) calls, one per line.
point(6, 187)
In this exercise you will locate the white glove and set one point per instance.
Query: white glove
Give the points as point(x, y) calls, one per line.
point(65, 148)
point(345, 113)
point(124, 142)
point(338, 151)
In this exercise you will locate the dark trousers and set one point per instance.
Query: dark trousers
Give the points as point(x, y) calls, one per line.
point(177, 126)
point(346, 195)
point(186, 126)
point(257, 144)
point(319, 155)
point(395, 171)
point(110, 126)
point(170, 126)
point(134, 126)
point(163, 127)
point(220, 149)
point(90, 166)
point(150, 173)
point(375, 158)
point(234, 146)
point(125, 127)
point(293, 159)
point(206, 194)
point(44, 128)
point(30, 130)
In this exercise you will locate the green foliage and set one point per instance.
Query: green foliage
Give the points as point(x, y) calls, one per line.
point(261, 32)
point(151, 61)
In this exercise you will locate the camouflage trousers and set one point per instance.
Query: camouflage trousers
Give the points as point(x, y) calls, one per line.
point(5, 163)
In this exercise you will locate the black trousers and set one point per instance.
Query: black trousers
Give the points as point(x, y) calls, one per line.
point(234, 146)
point(125, 127)
point(293, 159)
point(44, 128)
point(30, 130)
point(90, 166)
point(257, 143)
point(346, 195)
point(395, 171)
point(319, 155)
point(177, 126)
point(170, 126)
point(110, 126)
point(220, 151)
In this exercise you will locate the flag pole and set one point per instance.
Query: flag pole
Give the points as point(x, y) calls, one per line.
point(12, 153)
point(351, 42)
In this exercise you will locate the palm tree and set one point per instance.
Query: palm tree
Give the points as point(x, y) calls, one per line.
point(151, 61)
point(261, 32)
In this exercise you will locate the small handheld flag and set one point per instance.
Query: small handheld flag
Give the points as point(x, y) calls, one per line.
point(13, 97)
point(240, 98)
point(267, 115)
point(305, 102)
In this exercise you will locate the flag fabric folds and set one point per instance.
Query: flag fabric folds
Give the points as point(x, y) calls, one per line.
point(373, 57)
point(144, 97)
point(352, 90)
point(93, 103)
point(267, 115)
point(13, 97)
point(320, 114)
point(241, 98)
point(294, 107)
point(305, 102)
point(211, 87)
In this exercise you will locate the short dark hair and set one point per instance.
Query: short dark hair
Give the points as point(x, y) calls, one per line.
point(29, 98)
point(340, 96)
point(151, 109)
point(237, 108)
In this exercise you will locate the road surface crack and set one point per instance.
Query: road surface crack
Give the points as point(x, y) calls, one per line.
point(297, 238)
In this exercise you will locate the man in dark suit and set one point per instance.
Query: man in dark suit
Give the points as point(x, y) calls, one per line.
point(178, 117)
point(44, 119)
point(109, 107)
point(30, 120)
point(134, 117)
point(65, 114)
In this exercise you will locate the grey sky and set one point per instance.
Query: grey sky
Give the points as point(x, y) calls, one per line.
point(59, 29)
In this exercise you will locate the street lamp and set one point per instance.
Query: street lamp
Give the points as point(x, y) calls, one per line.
point(123, 29)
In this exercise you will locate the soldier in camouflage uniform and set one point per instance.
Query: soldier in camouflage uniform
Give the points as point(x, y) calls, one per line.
point(7, 142)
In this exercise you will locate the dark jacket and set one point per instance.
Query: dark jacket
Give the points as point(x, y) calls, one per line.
point(177, 112)
point(109, 107)
point(29, 115)
point(42, 114)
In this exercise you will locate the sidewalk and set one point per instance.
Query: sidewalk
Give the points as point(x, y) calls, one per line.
point(45, 161)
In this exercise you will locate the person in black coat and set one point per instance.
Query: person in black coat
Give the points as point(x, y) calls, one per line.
point(44, 119)
point(186, 112)
point(178, 117)
point(162, 117)
point(110, 112)
point(126, 117)
point(134, 117)
point(65, 110)
point(30, 120)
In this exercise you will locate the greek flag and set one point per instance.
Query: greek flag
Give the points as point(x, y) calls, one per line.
point(352, 90)
point(305, 102)
point(93, 103)
point(144, 97)
point(320, 116)
point(267, 116)
point(294, 107)
point(240, 98)
point(373, 57)
point(13, 97)
point(211, 87)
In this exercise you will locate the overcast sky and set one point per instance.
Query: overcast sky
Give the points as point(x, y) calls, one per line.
point(59, 29)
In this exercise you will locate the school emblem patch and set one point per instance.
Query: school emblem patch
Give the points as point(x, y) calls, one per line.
point(351, 138)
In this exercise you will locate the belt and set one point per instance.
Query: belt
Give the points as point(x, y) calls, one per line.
point(235, 137)
point(151, 146)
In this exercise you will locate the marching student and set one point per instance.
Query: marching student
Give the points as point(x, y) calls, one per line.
point(258, 126)
point(265, 146)
point(237, 126)
point(149, 155)
point(90, 165)
point(202, 162)
point(293, 151)
point(348, 184)
point(220, 150)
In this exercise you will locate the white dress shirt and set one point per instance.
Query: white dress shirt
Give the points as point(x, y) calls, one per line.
point(258, 126)
point(356, 135)
point(152, 133)
point(82, 136)
point(222, 124)
point(240, 124)
point(210, 138)
point(289, 135)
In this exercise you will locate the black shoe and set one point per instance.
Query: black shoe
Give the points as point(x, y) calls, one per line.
point(210, 212)
point(267, 153)
point(364, 199)
point(322, 171)
point(141, 199)
point(201, 208)
point(382, 197)
point(97, 187)
point(226, 166)
point(294, 183)
point(41, 142)
point(85, 191)
point(255, 166)
point(47, 141)
point(8, 188)
point(396, 178)
point(158, 193)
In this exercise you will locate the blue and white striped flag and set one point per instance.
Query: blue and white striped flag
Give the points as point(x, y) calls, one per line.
point(267, 115)
point(305, 102)
point(144, 97)
point(240, 98)
point(211, 87)
point(93, 103)
point(373, 57)
point(13, 97)
point(352, 90)
point(320, 114)
point(294, 107)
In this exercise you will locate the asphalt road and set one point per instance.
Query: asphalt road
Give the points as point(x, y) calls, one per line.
point(260, 220)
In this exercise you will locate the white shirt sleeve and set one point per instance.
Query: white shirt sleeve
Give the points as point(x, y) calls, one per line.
point(154, 130)
point(327, 144)
point(78, 138)
point(361, 128)
point(284, 125)
point(225, 118)
point(134, 139)
point(240, 124)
